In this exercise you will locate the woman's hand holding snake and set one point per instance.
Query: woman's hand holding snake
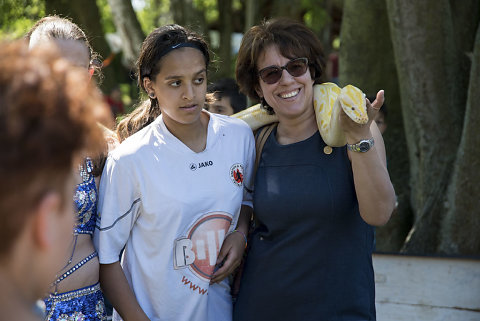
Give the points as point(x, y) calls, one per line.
point(355, 132)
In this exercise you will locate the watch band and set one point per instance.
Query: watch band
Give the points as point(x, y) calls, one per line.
point(362, 146)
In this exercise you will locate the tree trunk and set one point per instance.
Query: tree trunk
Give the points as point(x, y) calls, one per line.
point(461, 225)
point(187, 14)
point(367, 61)
point(427, 64)
point(90, 22)
point(181, 10)
point(114, 73)
point(250, 8)
point(288, 8)
point(61, 8)
point(327, 34)
point(465, 15)
point(129, 29)
point(225, 50)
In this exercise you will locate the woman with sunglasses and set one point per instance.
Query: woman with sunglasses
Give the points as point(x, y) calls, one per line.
point(309, 255)
point(75, 293)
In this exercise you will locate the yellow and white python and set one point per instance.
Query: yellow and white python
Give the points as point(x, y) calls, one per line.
point(328, 99)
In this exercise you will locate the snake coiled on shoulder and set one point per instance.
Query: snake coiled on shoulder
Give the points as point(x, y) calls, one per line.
point(328, 99)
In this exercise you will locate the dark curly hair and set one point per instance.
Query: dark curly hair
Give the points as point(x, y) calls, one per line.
point(293, 39)
point(48, 120)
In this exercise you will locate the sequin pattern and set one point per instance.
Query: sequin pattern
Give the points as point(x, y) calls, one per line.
point(79, 305)
point(85, 199)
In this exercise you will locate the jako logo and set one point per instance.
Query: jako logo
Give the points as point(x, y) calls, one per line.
point(198, 251)
point(194, 167)
point(205, 164)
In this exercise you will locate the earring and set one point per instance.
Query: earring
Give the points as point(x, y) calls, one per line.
point(151, 95)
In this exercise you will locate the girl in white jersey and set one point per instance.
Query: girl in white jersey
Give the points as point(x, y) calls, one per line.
point(176, 194)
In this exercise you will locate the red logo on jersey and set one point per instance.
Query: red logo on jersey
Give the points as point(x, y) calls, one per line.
point(199, 250)
point(236, 174)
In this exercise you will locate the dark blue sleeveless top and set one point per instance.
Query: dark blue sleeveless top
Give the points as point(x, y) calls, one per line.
point(85, 199)
point(310, 254)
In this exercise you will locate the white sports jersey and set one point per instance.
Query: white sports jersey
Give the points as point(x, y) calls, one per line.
point(172, 208)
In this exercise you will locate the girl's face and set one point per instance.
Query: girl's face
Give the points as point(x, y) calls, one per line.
point(180, 86)
point(290, 96)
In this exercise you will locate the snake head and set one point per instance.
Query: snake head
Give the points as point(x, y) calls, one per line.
point(353, 103)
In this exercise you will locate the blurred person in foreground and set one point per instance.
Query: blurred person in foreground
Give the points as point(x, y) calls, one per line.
point(228, 99)
point(76, 293)
point(48, 121)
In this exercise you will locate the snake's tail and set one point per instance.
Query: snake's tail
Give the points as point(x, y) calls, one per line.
point(256, 117)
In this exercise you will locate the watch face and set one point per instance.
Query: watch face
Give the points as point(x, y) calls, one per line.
point(364, 146)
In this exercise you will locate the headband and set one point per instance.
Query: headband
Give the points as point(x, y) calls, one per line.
point(182, 45)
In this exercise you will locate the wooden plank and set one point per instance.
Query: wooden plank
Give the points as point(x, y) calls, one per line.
point(422, 283)
point(405, 312)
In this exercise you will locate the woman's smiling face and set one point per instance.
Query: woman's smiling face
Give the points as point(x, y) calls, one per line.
point(290, 96)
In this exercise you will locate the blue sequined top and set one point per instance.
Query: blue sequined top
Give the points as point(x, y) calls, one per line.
point(86, 200)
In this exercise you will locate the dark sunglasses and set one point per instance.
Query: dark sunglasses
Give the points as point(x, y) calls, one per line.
point(295, 67)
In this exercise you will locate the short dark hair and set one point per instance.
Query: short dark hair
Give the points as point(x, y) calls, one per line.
point(227, 87)
point(293, 40)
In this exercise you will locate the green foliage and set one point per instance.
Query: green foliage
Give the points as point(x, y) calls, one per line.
point(126, 99)
point(17, 17)
point(315, 17)
point(209, 8)
point(238, 5)
point(106, 16)
point(155, 14)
